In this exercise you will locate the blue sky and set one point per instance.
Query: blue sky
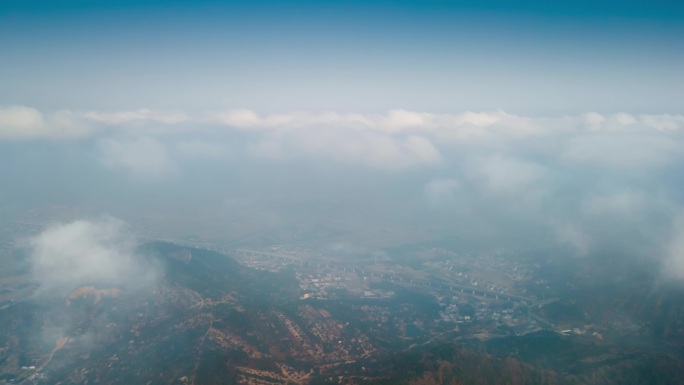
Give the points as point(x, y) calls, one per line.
point(524, 57)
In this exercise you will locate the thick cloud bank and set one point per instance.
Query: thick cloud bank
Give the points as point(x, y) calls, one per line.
point(101, 253)
point(143, 141)
point(600, 184)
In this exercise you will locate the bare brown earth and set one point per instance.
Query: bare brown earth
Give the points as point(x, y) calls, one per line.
point(91, 291)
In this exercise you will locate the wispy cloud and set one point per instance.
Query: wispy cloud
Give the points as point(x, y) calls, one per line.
point(674, 265)
point(100, 252)
point(143, 157)
point(626, 151)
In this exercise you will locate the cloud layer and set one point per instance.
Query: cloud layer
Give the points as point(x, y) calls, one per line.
point(26, 123)
point(395, 140)
point(593, 182)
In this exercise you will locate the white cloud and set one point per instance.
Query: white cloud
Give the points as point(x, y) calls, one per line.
point(144, 157)
point(101, 252)
point(624, 119)
point(25, 123)
point(17, 121)
point(624, 123)
point(396, 139)
point(247, 119)
point(368, 148)
point(240, 118)
point(137, 116)
point(401, 120)
point(393, 122)
point(593, 121)
point(663, 122)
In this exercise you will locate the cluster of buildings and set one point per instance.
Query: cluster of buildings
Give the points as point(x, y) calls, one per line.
point(486, 271)
point(474, 292)
point(465, 310)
